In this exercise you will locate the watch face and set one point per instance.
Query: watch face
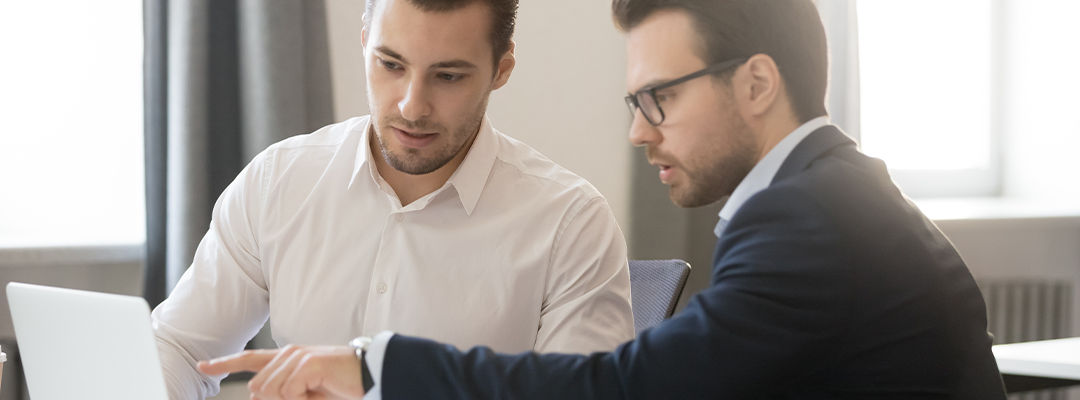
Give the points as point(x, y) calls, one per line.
point(361, 343)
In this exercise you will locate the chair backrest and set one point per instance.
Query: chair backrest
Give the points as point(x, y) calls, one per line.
point(655, 287)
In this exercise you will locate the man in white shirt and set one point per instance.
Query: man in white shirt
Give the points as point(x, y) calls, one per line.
point(421, 219)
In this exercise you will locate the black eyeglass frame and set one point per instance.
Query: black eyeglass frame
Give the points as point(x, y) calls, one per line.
point(634, 104)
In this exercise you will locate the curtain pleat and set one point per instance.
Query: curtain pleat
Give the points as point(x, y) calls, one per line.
point(224, 79)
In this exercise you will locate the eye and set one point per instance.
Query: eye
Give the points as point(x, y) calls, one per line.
point(448, 77)
point(665, 96)
point(389, 65)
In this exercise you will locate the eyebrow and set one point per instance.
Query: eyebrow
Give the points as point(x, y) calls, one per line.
point(648, 85)
point(442, 64)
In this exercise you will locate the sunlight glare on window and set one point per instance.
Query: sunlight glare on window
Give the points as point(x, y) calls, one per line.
point(925, 77)
point(71, 146)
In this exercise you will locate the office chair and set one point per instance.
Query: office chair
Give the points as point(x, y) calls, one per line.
point(655, 287)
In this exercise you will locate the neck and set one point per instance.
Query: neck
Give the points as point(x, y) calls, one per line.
point(772, 130)
point(409, 187)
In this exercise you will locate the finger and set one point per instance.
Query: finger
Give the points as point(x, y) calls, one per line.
point(303, 380)
point(263, 384)
point(334, 375)
point(281, 374)
point(250, 360)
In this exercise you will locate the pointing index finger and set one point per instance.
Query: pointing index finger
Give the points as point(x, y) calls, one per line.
point(249, 360)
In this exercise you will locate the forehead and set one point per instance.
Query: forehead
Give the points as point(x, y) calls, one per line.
point(427, 37)
point(662, 47)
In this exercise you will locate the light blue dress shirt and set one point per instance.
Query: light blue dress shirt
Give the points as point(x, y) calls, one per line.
point(763, 172)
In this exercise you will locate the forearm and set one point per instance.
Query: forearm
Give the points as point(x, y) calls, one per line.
point(182, 379)
point(192, 325)
point(420, 368)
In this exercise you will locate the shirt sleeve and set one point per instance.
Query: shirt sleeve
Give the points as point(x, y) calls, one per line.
point(587, 300)
point(374, 362)
point(221, 301)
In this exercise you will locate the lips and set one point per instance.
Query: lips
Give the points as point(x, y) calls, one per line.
point(665, 173)
point(666, 170)
point(414, 139)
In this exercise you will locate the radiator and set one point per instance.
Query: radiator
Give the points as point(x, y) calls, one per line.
point(1021, 310)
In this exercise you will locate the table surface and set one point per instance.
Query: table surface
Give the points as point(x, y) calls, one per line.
point(1058, 358)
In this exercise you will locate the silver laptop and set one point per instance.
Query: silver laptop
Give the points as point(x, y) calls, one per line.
point(76, 344)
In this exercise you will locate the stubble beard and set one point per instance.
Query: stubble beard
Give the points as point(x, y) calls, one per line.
point(719, 167)
point(411, 162)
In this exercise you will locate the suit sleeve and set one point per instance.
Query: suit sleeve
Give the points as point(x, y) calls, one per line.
point(221, 301)
point(587, 302)
point(775, 304)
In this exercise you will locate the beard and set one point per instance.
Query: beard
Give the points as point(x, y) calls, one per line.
point(717, 168)
point(412, 161)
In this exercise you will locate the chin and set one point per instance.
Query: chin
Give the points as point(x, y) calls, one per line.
point(690, 198)
point(679, 199)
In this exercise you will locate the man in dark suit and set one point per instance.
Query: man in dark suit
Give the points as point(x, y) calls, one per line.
point(827, 282)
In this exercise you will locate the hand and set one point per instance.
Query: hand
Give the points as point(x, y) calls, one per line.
point(295, 372)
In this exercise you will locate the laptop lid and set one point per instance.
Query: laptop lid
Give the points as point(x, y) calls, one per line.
point(85, 345)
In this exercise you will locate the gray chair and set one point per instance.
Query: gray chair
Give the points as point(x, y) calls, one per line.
point(655, 287)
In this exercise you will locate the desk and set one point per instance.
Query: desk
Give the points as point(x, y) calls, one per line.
point(1039, 365)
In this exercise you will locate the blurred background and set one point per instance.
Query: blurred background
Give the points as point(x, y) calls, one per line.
point(121, 122)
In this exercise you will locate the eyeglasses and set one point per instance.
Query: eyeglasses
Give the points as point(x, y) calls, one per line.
point(645, 99)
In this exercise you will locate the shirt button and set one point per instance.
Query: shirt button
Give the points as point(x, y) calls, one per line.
point(399, 217)
point(381, 288)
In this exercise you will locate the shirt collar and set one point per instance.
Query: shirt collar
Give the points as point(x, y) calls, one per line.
point(472, 175)
point(363, 152)
point(468, 180)
point(763, 172)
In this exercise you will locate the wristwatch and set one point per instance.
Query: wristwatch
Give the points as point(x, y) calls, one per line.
point(361, 344)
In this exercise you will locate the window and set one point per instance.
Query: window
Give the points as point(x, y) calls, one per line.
point(928, 78)
point(71, 147)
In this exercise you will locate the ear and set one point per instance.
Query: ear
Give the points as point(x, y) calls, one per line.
point(506, 66)
point(760, 86)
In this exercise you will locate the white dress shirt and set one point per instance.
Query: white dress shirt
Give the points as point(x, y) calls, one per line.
point(513, 252)
point(761, 176)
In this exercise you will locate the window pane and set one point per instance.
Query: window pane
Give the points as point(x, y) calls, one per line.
point(925, 76)
point(71, 155)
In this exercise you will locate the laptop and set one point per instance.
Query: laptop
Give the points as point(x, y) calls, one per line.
point(76, 344)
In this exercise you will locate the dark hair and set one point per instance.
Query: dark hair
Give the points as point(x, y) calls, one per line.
point(789, 31)
point(503, 16)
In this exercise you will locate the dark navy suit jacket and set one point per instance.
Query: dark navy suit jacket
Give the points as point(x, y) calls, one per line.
point(827, 284)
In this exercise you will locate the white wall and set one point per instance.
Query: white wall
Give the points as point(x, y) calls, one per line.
point(564, 97)
point(1042, 127)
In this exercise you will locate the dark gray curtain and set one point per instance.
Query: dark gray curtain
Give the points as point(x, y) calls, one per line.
point(662, 230)
point(223, 80)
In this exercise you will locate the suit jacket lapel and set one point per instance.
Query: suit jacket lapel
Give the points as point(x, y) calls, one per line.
point(815, 145)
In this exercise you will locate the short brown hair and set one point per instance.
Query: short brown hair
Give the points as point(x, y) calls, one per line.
point(503, 18)
point(789, 31)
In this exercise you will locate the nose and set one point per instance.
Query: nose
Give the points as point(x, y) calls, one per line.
point(643, 133)
point(414, 105)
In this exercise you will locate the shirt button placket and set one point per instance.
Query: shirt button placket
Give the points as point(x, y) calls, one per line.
point(377, 309)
